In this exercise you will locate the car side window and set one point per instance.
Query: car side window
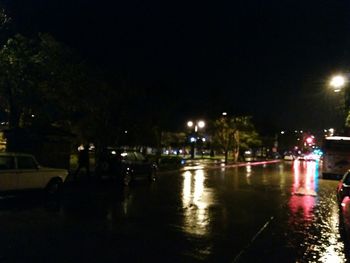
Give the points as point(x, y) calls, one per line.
point(139, 157)
point(130, 156)
point(7, 163)
point(26, 162)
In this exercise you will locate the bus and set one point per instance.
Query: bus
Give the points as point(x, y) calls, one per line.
point(336, 156)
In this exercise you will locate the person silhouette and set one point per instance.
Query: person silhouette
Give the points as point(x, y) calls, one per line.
point(83, 161)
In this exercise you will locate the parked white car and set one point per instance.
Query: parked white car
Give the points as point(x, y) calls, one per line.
point(22, 172)
point(289, 157)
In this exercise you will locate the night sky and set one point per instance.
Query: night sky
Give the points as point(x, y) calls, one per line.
point(271, 59)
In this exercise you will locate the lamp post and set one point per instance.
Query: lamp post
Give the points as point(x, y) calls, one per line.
point(193, 139)
point(339, 84)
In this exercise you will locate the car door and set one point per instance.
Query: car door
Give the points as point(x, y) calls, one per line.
point(8, 173)
point(129, 162)
point(29, 174)
point(344, 187)
point(141, 164)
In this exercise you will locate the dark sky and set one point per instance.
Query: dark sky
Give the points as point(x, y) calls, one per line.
point(271, 59)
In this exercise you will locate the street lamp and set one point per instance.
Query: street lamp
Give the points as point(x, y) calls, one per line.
point(337, 83)
point(196, 125)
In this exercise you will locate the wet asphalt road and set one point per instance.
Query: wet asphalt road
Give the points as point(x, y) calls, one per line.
point(267, 213)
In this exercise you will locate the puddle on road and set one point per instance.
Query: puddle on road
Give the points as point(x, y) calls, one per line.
point(305, 192)
point(196, 201)
point(313, 223)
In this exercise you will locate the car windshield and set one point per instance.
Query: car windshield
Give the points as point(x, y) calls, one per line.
point(140, 156)
point(128, 156)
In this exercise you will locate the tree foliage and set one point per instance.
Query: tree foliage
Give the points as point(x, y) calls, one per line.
point(234, 134)
point(17, 75)
point(44, 83)
point(5, 26)
point(39, 81)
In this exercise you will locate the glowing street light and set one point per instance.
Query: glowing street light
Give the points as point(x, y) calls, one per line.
point(337, 83)
point(197, 125)
point(201, 124)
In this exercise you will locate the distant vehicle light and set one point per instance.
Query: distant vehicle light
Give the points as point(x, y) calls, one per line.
point(309, 140)
point(318, 152)
point(312, 157)
point(113, 152)
point(123, 154)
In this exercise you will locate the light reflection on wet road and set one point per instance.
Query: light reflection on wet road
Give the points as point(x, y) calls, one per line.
point(307, 229)
point(196, 200)
point(268, 213)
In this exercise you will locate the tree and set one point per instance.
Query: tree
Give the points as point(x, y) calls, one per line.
point(174, 139)
point(40, 78)
point(232, 134)
point(246, 136)
point(43, 83)
point(17, 78)
point(5, 26)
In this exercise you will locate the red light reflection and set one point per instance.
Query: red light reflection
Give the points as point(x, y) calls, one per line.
point(302, 200)
point(345, 210)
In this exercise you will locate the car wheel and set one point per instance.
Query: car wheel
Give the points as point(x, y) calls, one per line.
point(153, 175)
point(53, 188)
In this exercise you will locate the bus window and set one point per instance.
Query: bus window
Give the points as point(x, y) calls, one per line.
point(336, 158)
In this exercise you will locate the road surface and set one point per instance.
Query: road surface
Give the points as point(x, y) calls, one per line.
point(281, 212)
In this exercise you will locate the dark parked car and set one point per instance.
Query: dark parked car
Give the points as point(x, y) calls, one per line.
point(125, 165)
point(343, 189)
